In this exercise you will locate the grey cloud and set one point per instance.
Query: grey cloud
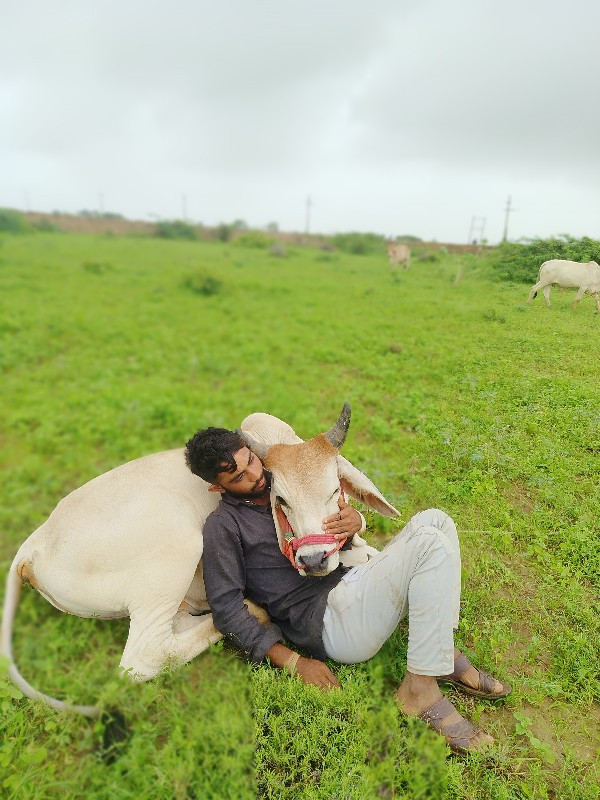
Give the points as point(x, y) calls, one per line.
point(241, 102)
point(514, 89)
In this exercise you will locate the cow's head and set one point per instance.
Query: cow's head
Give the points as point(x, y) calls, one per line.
point(307, 478)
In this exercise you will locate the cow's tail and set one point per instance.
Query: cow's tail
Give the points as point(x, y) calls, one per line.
point(11, 602)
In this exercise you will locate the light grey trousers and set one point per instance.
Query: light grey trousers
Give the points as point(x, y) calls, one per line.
point(417, 573)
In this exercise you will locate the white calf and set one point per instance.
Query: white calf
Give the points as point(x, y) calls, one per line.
point(569, 275)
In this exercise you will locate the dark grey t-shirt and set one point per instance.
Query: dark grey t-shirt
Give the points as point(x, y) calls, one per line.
point(242, 559)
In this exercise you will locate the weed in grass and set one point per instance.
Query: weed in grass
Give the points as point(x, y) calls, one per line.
point(96, 267)
point(203, 284)
point(493, 316)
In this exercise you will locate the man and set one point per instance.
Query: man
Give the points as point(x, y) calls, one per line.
point(345, 615)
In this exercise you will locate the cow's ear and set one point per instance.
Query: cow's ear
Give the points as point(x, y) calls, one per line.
point(269, 430)
point(361, 488)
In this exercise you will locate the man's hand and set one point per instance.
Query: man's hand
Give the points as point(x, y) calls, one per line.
point(310, 670)
point(344, 524)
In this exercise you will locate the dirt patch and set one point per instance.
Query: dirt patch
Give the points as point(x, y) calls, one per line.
point(564, 729)
point(520, 498)
point(525, 646)
point(526, 649)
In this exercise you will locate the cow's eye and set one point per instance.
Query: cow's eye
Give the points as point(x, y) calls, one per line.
point(280, 500)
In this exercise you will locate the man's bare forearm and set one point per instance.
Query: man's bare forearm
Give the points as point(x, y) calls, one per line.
point(279, 655)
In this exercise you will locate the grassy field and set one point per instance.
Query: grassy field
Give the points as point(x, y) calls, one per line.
point(462, 398)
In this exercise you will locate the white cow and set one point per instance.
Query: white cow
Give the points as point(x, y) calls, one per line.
point(129, 543)
point(569, 275)
point(398, 254)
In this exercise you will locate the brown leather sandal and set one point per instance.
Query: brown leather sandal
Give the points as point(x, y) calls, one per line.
point(459, 735)
point(486, 681)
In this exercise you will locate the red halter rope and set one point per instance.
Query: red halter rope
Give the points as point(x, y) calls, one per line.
point(290, 545)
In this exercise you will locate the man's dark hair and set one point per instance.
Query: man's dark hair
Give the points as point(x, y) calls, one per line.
point(211, 450)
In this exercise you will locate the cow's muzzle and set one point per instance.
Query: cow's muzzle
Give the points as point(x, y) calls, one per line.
point(313, 563)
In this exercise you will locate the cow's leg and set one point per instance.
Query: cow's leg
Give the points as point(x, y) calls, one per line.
point(547, 294)
point(596, 297)
point(534, 291)
point(159, 630)
point(580, 292)
point(157, 635)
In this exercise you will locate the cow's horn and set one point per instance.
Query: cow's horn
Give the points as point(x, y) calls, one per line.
point(337, 434)
point(258, 448)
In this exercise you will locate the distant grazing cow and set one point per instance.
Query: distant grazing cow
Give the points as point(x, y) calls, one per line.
point(568, 275)
point(398, 254)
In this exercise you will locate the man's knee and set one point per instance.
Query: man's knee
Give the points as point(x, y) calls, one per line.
point(440, 539)
point(435, 517)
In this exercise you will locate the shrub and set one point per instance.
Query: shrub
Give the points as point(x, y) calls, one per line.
point(46, 226)
point(176, 229)
point(513, 261)
point(224, 231)
point(203, 283)
point(408, 239)
point(255, 239)
point(12, 221)
point(429, 256)
point(359, 244)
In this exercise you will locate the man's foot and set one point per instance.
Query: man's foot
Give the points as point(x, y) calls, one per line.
point(419, 696)
point(474, 681)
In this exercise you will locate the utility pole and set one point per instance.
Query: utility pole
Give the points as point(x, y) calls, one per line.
point(477, 227)
point(309, 203)
point(184, 207)
point(507, 210)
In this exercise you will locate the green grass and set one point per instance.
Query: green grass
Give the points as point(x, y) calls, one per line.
point(462, 398)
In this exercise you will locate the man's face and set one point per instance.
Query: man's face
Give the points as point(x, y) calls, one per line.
point(248, 481)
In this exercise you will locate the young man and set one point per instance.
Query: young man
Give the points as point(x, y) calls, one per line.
point(346, 615)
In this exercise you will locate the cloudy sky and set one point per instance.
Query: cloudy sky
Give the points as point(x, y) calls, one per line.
point(394, 116)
